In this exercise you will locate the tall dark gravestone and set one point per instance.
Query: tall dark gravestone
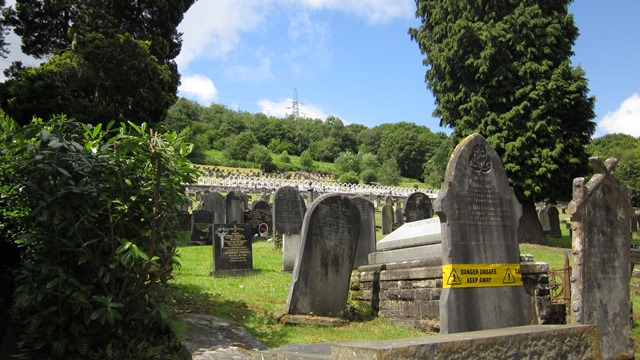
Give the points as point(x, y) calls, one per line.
point(387, 213)
point(367, 238)
point(232, 250)
point(235, 205)
point(288, 212)
point(320, 283)
point(261, 205)
point(481, 285)
point(554, 222)
point(201, 227)
point(600, 214)
point(215, 203)
point(417, 206)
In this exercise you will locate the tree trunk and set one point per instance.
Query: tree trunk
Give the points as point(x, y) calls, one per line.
point(529, 229)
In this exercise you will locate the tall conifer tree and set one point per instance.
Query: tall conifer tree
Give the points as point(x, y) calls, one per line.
point(503, 69)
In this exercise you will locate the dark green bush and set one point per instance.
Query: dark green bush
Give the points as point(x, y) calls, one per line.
point(101, 236)
point(349, 178)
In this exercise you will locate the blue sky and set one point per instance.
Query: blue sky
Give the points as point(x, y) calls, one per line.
point(353, 59)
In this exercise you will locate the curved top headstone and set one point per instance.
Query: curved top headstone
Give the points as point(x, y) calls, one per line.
point(320, 281)
point(417, 206)
point(288, 210)
point(479, 216)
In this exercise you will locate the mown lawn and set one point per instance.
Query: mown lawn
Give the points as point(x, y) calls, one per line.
point(252, 300)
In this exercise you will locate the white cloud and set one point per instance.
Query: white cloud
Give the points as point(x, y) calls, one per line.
point(374, 11)
point(252, 74)
point(625, 120)
point(211, 29)
point(310, 44)
point(199, 87)
point(284, 108)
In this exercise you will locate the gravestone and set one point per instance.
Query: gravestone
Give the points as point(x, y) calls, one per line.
point(389, 200)
point(215, 203)
point(261, 205)
point(201, 227)
point(367, 238)
point(288, 212)
point(600, 212)
point(398, 215)
point(235, 205)
point(543, 216)
point(184, 222)
point(232, 250)
point(481, 284)
point(387, 219)
point(554, 222)
point(417, 206)
point(634, 222)
point(255, 218)
point(320, 282)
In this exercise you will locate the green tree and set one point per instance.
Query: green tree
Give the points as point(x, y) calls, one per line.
point(410, 145)
point(347, 162)
point(260, 155)
point(626, 149)
point(389, 173)
point(107, 60)
point(238, 147)
point(503, 69)
point(306, 161)
point(3, 32)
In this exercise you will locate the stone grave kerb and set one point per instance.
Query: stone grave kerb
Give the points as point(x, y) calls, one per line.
point(479, 215)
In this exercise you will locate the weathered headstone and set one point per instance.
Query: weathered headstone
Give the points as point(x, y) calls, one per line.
point(389, 200)
point(201, 227)
point(261, 205)
point(255, 218)
point(554, 222)
point(600, 212)
point(479, 214)
point(233, 252)
point(398, 215)
point(387, 219)
point(215, 203)
point(288, 211)
point(235, 205)
point(367, 238)
point(543, 216)
point(320, 283)
point(184, 223)
point(417, 206)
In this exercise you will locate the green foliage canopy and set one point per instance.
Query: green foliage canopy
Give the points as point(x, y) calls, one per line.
point(107, 60)
point(502, 69)
point(100, 234)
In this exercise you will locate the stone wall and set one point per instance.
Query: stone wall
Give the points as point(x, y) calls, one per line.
point(408, 293)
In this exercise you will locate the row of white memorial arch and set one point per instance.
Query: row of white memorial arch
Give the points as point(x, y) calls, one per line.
point(263, 185)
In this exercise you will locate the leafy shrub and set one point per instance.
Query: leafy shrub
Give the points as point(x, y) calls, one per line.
point(369, 176)
point(349, 178)
point(101, 236)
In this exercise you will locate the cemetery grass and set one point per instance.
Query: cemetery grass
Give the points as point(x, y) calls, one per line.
point(251, 300)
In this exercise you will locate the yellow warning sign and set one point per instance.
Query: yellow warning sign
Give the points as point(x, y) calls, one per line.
point(480, 275)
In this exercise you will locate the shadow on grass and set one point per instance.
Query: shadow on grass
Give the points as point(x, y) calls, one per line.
point(262, 325)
